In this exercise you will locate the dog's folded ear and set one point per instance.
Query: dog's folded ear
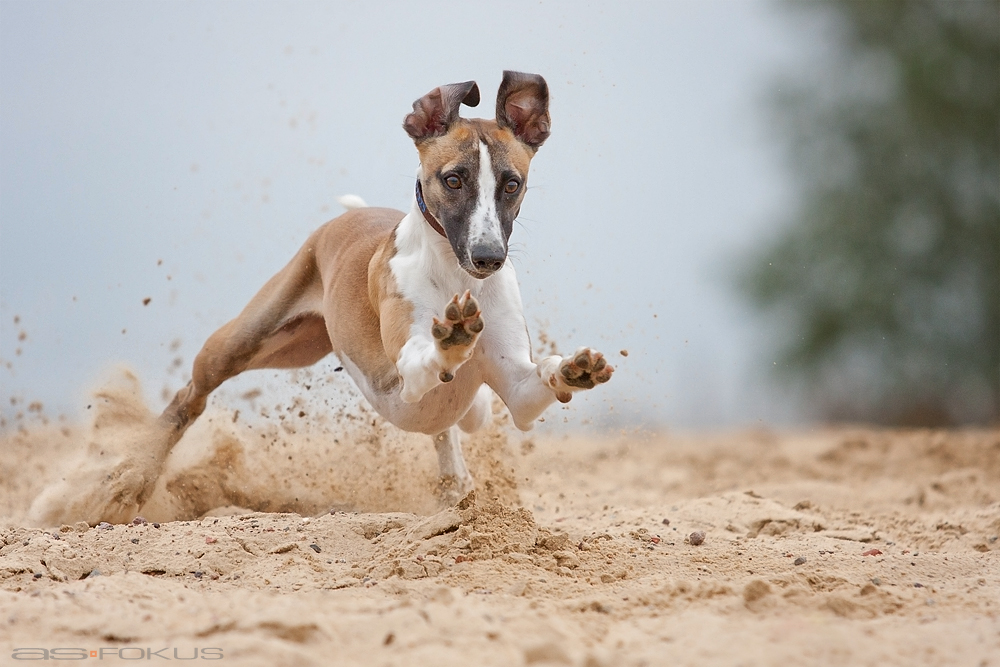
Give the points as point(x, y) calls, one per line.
point(435, 111)
point(523, 107)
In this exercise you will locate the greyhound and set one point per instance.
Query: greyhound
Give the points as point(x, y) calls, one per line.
point(421, 308)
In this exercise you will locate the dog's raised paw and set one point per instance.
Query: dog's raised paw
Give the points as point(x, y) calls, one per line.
point(462, 323)
point(585, 369)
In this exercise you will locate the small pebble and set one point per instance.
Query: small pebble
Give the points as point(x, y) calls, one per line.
point(37, 575)
point(198, 574)
point(134, 540)
point(104, 525)
point(918, 585)
point(800, 560)
point(624, 353)
point(156, 525)
point(315, 547)
point(877, 581)
point(139, 521)
point(697, 537)
point(666, 522)
point(211, 540)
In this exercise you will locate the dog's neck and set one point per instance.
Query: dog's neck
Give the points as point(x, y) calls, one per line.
point(415, 235)
point(416, 241)
point(428, 216)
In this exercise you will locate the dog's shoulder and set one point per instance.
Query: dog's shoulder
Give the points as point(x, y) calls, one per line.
point(366, 227)
point(368, 219)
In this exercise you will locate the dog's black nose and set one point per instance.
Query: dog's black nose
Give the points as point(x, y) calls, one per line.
point(488, 259)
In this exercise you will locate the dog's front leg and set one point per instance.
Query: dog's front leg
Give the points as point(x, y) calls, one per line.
point(525, 387)
point(431, 357)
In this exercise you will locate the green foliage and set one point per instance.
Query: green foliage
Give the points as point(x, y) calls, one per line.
point(888, 271)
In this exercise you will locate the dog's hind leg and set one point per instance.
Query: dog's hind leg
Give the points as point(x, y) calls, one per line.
point(455, 479)
point(479, 412)
point(281, 327)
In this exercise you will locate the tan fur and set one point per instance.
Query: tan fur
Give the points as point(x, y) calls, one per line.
point(463, 138)
point(284, 326)
point(395, 312)
point(347, 247)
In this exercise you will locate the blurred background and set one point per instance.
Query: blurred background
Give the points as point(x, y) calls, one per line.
point(785, 213)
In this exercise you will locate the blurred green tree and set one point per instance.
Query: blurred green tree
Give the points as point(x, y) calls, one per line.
point(888, 270)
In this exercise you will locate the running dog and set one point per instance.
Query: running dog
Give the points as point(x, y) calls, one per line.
point(422, 308)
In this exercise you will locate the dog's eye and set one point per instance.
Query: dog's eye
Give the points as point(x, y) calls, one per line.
point(512, 186)
point(453, 182)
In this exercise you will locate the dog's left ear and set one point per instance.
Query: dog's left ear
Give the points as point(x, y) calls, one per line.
point(435, 111)
point(523, 107)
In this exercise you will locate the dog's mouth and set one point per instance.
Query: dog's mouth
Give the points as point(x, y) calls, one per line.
point(481, 262)
point(477, 273)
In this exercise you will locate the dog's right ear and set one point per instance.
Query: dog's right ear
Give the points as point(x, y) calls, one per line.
point(435, 111)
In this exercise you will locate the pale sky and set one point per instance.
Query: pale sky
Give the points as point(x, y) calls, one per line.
point(183, 151)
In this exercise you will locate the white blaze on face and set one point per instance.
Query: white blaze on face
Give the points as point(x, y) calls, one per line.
point(484, 226)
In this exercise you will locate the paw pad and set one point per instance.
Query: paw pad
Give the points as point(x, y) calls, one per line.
point(462, 323)
point(586, 369)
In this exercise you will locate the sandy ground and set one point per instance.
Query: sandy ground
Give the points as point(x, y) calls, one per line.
point(326, 545)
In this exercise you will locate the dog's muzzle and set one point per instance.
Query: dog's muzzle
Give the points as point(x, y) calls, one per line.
point(487, 259)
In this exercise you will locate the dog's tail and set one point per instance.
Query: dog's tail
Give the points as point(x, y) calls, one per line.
point(351, 202)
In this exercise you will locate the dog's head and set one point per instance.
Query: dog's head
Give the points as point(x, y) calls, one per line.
point(474, 171)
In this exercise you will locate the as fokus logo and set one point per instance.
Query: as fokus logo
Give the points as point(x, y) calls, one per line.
point(123, 653)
